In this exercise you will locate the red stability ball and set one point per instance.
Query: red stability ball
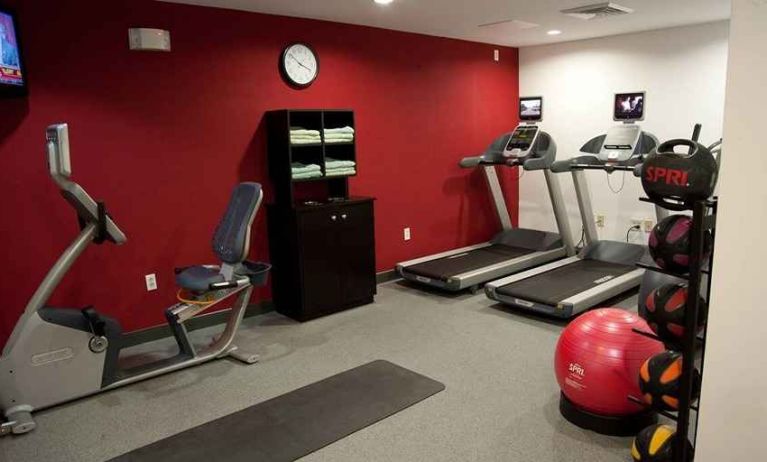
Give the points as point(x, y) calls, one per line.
point(598, 359)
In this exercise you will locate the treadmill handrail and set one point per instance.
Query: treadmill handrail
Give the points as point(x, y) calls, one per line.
point(593, 163)
point(471, 162)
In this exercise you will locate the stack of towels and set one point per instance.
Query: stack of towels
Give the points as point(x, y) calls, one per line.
point(339, 135)
point(335, 167)
point(304, 172)
point(300, 135)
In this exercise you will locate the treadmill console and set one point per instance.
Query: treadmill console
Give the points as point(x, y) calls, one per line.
point(620, 143)
point(521, 142)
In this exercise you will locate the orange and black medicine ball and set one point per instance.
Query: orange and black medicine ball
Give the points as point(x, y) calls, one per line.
point(660, 380)
point(665, 311)
point(654, 444)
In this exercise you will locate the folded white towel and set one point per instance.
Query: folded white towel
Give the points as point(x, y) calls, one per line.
point(298, 167)
point(331, 163)
point(303, 131)
point(304, 141)
point(307, 175)
point(341, 172)
point(342, 130)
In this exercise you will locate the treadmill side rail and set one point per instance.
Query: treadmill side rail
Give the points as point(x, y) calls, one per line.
point(449, 253)
point(561, 311)
point(604, 291)
point(517, 264)
point(481, 276)
point(533, 272)
point(574, 305)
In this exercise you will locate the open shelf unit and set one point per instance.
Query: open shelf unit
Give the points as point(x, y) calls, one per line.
point(692, 345)
point(282, 153)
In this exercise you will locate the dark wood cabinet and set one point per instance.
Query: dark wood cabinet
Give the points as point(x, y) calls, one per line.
point(323, 257)
point(322, 242)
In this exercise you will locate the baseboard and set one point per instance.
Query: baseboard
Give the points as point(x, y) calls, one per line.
point(219, 317)
point(386, 276)
point(200, 322)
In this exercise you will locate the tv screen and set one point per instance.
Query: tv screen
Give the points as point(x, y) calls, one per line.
point(629, 106)
point(12, 78)
point(531, 108)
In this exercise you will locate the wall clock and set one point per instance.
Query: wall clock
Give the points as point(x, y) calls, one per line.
point(299, 65)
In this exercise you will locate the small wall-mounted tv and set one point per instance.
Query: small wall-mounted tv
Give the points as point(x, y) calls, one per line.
point(531, 108)
point(13, 80)
point(629, 107)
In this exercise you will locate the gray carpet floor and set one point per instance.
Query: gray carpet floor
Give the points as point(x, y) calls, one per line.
point(501, 401)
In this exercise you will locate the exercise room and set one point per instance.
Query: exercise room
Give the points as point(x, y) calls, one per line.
point(382, 230)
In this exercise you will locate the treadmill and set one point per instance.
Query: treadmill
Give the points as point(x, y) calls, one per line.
point(513, 249)
point(603, 269)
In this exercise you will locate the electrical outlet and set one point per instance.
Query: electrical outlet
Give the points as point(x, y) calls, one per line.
point(406, 234)
point(600, 220)
point(151, 282)
point(496, 55)
point(636, 223)
point(647, 225)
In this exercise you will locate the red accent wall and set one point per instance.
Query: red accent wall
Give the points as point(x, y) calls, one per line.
point(163, 138)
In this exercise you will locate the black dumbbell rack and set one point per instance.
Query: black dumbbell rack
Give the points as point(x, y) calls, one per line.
point(692, 346)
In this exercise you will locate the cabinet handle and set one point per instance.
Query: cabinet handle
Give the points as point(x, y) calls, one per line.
point(334, 217)
point(343, 216)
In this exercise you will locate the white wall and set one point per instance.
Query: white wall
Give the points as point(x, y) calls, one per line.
point(733, 423)
point(681, 69)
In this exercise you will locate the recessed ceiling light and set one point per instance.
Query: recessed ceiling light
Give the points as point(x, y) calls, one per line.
point(554, 32)
point(383, 2)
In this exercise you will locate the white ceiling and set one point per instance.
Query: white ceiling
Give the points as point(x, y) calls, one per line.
point(461, 19)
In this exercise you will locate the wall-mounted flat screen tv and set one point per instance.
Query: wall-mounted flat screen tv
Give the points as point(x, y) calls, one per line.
point(531, 108)
point(629, 107)
point(13, 80)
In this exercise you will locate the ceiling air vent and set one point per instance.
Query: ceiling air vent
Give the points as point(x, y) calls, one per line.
point(511, 24)
point(597, 10)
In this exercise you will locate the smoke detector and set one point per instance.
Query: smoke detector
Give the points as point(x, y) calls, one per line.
point(597, 10)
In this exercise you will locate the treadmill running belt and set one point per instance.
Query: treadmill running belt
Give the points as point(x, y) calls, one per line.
point(553, 286)
point(443, 268)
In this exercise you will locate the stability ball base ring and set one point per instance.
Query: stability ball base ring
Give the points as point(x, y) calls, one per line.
point(628, 425)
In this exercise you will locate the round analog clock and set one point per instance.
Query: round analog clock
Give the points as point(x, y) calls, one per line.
point(299, 65)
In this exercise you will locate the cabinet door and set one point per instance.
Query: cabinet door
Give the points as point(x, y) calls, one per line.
point(320, 256)
point(357, 241)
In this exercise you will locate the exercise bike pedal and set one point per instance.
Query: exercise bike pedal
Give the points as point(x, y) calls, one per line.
point(243, 356)
point(18, 423)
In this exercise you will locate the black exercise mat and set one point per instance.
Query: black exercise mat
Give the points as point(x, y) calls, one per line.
point(298, 423)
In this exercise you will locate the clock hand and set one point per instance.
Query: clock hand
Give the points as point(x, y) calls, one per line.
point(299, 62)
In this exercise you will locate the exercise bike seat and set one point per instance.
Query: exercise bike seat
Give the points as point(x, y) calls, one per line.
point(199, 278)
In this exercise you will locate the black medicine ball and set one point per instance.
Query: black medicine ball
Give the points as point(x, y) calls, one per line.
point(670, 176)
point(670, 243)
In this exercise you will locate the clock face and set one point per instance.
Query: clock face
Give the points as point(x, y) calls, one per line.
point(300, 65)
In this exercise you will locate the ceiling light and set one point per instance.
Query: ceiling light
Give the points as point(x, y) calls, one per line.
point(383, 2)
point(554, 32)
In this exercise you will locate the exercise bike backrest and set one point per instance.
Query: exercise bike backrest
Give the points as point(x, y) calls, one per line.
point(89, 212)
point(231, 241)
